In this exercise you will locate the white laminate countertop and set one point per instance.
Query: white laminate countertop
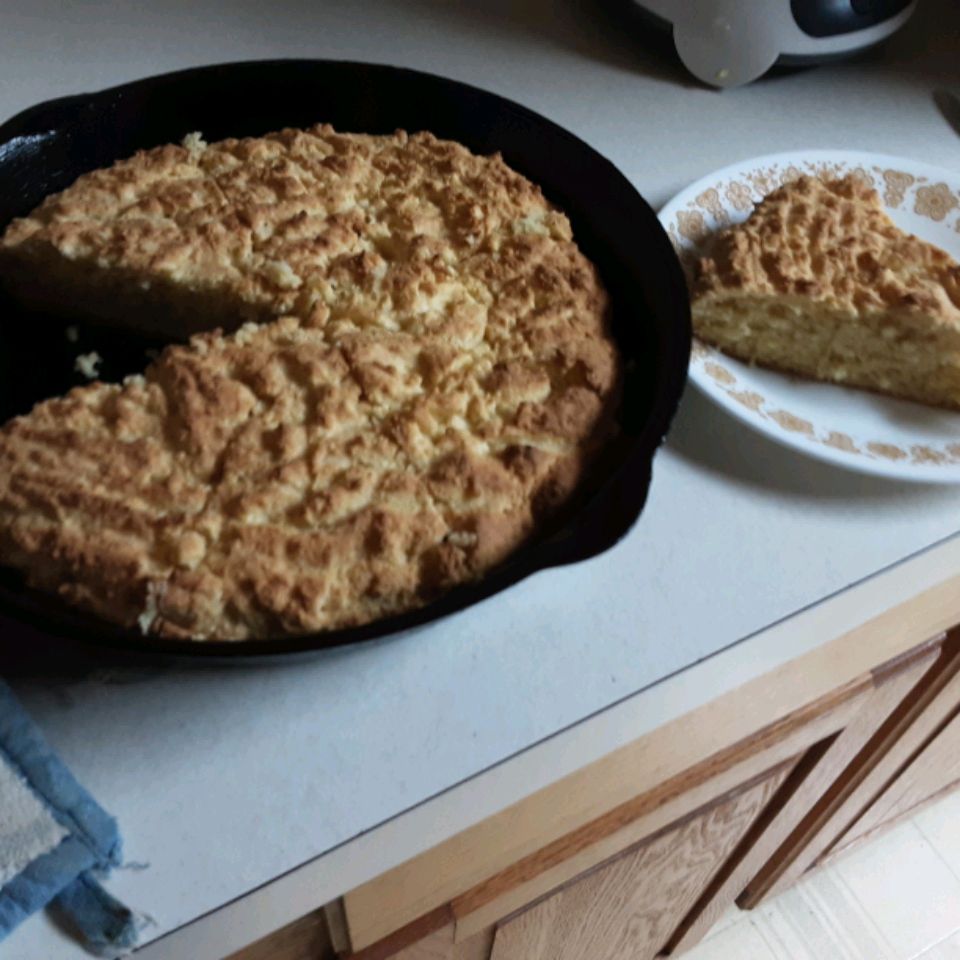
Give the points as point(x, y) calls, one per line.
point(223, 780)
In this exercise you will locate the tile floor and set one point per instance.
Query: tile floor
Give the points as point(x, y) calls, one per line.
point(896, 898)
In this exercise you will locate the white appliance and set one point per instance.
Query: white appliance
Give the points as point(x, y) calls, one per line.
point(726, 43)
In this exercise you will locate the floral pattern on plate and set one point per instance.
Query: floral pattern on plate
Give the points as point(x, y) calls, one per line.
point(851, 428)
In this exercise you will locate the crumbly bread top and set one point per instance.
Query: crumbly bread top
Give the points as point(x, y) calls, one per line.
point(299, 220)
point(446, 376)
point(832, 240)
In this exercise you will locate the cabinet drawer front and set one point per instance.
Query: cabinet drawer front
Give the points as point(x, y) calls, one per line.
point(933, 772)
point(906, 709)
point(627, 908)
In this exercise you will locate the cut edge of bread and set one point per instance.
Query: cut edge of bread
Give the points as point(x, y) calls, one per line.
point(819, 282)
point(810, 339)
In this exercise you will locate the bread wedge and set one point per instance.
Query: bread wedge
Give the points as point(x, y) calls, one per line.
point(819, 282)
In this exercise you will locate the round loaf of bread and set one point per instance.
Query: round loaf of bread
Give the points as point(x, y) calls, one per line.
point(427, 376)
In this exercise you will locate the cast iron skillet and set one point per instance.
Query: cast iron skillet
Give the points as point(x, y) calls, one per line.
point(46, 147)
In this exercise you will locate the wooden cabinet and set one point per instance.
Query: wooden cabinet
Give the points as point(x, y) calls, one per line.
point(926, 765)
point(934, 772)
point(637, 855)
point(627, 908)
point(779, 838)
point(442, 945)
point(864, 778)
point(306, 939)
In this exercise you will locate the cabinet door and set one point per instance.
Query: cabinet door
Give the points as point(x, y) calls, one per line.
point(441, 945)
point(930, 703)
point(305, 939)
point(816, 742)
point(933, 772)
point(627, 908)
point(780, 836)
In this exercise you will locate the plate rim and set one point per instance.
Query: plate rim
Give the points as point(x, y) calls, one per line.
point(940, 475)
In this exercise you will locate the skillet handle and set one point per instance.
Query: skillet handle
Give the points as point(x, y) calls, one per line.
point(606, 521)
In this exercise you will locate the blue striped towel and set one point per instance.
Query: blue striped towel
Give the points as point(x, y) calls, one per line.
point(54, 841)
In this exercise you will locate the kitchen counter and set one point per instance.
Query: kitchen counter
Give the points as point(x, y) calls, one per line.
point(286, 783)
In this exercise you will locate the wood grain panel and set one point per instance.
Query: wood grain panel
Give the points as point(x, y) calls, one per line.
point(887, 824)
point(649, 771)
point(558, 863)
point(440, 945)
point(412, 933)
point(478, 947)
point(931, 774)
point(436, 946)
point(819, 770)
point(647, 775)
point(304, 939)
point(754, 848)
point(626, 909)
point(897, 739)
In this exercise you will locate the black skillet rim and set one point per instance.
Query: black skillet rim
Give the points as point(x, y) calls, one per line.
point(577, 539)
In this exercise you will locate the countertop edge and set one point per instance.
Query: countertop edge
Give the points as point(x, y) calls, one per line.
point(331, 874)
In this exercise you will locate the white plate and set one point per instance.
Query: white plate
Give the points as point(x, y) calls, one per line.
point(848, 427)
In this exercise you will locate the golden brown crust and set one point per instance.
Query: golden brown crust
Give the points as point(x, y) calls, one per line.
point(819, 281)
point(446, 376)
point(832, 241)
point(296, 222)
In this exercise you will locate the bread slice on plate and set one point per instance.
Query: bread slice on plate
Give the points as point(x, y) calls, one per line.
point(820, 282)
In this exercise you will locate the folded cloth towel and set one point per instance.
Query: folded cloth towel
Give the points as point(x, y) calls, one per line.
point(54, 841)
